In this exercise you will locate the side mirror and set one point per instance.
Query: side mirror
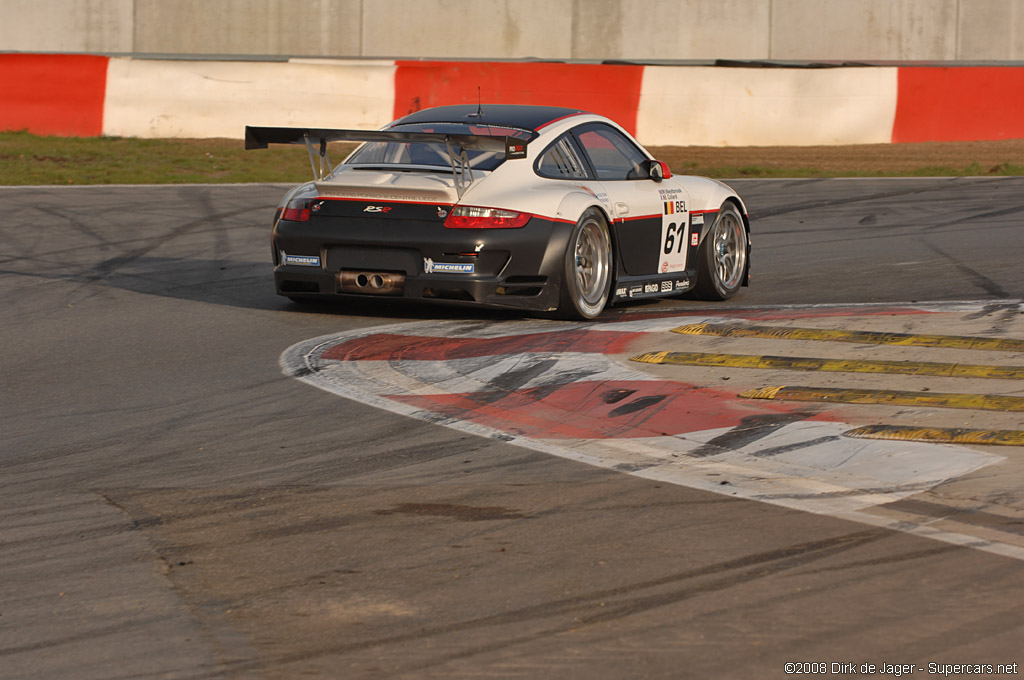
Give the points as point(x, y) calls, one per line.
point(658, 170)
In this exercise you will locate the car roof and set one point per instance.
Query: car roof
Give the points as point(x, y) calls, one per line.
point(511, 115)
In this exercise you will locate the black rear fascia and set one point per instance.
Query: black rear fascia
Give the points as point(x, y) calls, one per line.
point(518, 268)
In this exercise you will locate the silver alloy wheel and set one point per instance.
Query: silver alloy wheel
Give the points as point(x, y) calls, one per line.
point(591, 268)
point(729, 249)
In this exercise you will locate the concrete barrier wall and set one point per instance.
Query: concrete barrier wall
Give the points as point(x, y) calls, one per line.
point(663, 105)
point(710, 106)
point(516, 29)
point(158, 98)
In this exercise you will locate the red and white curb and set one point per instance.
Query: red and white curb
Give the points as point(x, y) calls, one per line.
point(557, 388)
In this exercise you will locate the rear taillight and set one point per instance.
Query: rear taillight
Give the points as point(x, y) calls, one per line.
point(472, 217)
point(297, 210)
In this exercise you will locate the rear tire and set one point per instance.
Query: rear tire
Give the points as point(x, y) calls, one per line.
point(587, 270)
point(722, 260)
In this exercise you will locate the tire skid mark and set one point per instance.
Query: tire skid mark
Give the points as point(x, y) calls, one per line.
point(976, 277)
point(147, 243)
point(751, 429)
point(579, 411)
point(610, 604)
point(880, 196)
point(976, 216)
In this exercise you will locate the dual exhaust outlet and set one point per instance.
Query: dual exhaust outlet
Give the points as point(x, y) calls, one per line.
point(371, 283)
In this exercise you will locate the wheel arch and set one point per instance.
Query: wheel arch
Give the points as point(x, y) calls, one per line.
point(578, 303)
point(735, 200)
point(573, 206)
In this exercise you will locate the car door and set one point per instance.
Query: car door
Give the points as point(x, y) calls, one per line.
point(651, 219)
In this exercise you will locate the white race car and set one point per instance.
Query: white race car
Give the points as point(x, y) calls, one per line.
point(526, 207)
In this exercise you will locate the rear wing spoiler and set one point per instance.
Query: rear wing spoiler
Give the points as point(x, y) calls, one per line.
point(261, 137)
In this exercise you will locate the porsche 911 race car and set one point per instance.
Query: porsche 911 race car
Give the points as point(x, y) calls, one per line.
point(528, 207)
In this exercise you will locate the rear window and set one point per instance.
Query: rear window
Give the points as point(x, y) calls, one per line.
point(435, 154)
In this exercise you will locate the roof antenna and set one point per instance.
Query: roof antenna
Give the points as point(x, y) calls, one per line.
point(479, 104)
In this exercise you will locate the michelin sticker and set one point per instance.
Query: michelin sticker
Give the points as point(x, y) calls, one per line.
point(304, 260)
point(431, 267)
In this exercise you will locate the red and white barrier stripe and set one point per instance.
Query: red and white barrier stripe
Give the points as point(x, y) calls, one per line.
point(53, 94)
point(85, 95)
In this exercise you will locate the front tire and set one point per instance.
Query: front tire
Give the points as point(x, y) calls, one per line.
point(722, 261)
point(587, 270)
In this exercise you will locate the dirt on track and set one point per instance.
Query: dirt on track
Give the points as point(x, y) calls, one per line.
point(1004, 157)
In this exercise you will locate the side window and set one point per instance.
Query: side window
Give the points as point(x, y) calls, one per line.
point(613, 156)
point(561, 162)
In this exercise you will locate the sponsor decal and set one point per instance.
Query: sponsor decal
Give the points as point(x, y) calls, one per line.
point(664, 267)
point(431, 267)
point(350, 194)
point(620, 292)
point(304, 260)
point(603, 197)
point(376, 209)
point(514, 149)
point(441, 213)
point(584, 187)
point(666, 286)
point(636, 290)
point(683, 284)
point(698, 219)
point(650, 288)
point(694, 239)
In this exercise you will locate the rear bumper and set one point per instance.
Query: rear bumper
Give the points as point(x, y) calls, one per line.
point(537, 293)
point(509, 268)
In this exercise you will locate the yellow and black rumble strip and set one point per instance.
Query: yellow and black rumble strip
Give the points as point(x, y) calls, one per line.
point(861, 337)
point(939, 435)
point(924, 368)
point(839, 395)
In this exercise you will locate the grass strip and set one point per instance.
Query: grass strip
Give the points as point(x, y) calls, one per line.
point(27, 159)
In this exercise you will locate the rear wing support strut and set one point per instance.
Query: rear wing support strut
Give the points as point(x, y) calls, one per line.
point(324, 159)
point(461, 169)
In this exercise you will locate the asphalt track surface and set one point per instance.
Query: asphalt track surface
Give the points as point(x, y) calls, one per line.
point(173, 505)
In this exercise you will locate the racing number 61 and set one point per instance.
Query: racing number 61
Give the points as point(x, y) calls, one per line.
point(670, 238)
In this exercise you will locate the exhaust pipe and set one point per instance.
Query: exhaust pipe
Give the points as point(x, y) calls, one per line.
point(371, 283)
